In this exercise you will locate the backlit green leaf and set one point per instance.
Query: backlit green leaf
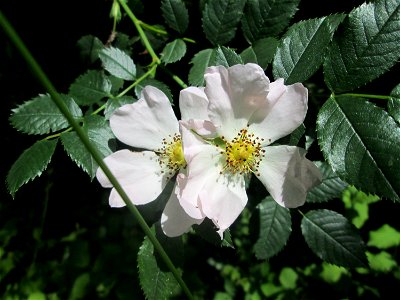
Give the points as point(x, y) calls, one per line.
point(200, 61)
point(173, 51)
point(41, 116)
point(156, 284)
point(99, 133)
point(302, 50)
point(333, 238)
point(31, 163)
point(118, 63)
point(175, 14)
point(381, 262)
point(221, 18)
point(384, 237)
point(267, 18)
point(275, 228)
point(367, 47)
point(331, 186)
point(260, 52)
point(90, 87)
point(361, 142)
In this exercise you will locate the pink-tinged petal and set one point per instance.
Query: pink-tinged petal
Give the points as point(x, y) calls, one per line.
point(288, 175)
point(146, 122)
point(284, 112)
point(139, 174)
point(174, 220)
point(234, 95)
point(203, 127)
point(193, 104)
point(222, 199)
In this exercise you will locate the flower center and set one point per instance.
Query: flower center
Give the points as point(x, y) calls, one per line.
point(171, 154)
point(244, 153)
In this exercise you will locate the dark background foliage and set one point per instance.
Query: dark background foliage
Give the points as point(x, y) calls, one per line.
point(60, 226)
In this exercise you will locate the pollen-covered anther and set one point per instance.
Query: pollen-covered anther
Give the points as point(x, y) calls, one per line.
point(243, 154)
point(171, 154)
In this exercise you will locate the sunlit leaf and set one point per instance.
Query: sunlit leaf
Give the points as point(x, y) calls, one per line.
point(302, 50)
point(118, 63)
point(175, 14)
point(361, 142)
point(173, 51)
point(331, 186)
point(99, 133)
point(200, 62)
point(367, 47)
point(267, 18)
point(331, 273)
point(226, 57)
point(221, 18)
point(156, 284)
point(30, 164)
point(41, 115)
point(275, 228)
point(385, 237)
point(333, 238)
point(90, 87)
point(113, 104)
point(260, 52)
point(394, 103)
point(381, 262)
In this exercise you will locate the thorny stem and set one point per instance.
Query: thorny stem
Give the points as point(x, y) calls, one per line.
point(47, 84)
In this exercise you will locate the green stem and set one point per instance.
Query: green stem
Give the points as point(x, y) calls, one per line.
point(367, 96)
point(140, 79)
point(161, 31)
point(43, 79)
point(142, 35)
point(174, 77)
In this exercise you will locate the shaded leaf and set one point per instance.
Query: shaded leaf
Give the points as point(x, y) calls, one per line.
point(226, 57)
point(90, 87)
point(302, 50)
point(41, 115)
point(80, 287)
point(89, 47)
point(367, 48)
point(156, 284)
point(260, 52)
point(394, 103)
point(333, 238)
point(173, 51)
point(200, 61)
point(153, 82)
point(275, 228)
point(113, 104)
point(221, 18)
point(118, 63)
point(361, 142)
point(99, 133)
point(267, 18)
point(175, 14)
point(30, 164)
point(330, 188)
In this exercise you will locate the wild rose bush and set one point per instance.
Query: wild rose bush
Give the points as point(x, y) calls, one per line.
point(259, 135)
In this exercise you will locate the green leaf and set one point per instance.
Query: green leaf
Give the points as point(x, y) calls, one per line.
point(175, 14)
point(118, 63)
point(31, 163)
point(89, 47)
point(331, 273)
point(208, 232)
point(153, 82)
point(330, 188)
point(200, 61)
point(156, 284)
point(384, 237)
point(267, 18)
point(80, 287)
point(226, 57)
point(113, 104)
point(99, 133)
point(333, 238)
point(367, 47)
point(381, 262)
point(302, 50)
point(260, 52)
point(90, 87)
point(173, 51)
point(361, 142)
point(288, 278)
point(41, 116)
point(394, 103)
point(275, 228)
point(221, 18)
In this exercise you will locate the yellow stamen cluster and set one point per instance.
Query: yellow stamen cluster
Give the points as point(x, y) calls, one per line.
point(244, 153)
point(171, 154)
